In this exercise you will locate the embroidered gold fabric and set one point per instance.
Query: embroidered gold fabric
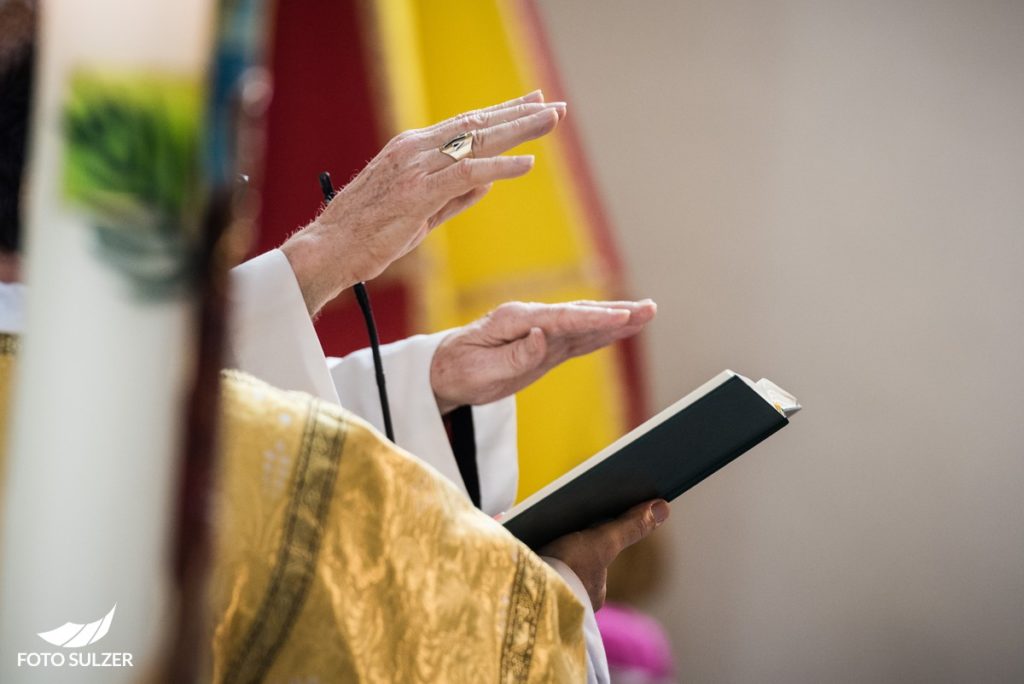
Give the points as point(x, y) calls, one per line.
point(340, 558)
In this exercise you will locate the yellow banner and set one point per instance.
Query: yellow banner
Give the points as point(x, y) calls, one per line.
point(528, 240)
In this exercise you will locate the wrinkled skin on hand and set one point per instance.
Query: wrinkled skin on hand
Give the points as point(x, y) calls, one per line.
point(409, 189)
point(590, 552)
point(517, 343)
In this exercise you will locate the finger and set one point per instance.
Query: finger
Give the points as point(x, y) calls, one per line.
point(640, 312)
point(494, 140)
point(474, 121)
point(572, 319)
point(512, 320)
point(459, 205)
point(580, 345)
point(630, 527)
point(504, 111)
point(467, 174)
point(618, 303)
point(535, 97)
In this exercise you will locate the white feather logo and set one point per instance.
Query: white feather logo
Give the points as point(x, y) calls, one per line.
point(74, 635)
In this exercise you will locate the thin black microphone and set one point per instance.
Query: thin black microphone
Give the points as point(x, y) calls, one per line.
point(371, 327)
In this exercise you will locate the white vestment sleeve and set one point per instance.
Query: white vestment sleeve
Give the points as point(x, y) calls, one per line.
point(597, 661)
point(270, 332)
point(272, 337)
point(418, 426)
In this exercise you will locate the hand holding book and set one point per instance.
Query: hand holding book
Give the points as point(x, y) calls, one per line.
point(590, 552)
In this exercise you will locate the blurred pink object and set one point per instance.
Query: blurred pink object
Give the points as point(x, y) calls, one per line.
point(635, 643)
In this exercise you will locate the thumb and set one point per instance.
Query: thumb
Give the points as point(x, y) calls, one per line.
point(633, 525)
point(526, 353)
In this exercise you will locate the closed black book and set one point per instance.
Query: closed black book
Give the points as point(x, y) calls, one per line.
point(670, 453)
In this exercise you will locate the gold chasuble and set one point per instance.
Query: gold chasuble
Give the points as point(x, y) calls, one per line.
point(339, 557)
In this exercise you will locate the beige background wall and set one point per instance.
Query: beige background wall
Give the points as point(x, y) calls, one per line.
point(830, 194)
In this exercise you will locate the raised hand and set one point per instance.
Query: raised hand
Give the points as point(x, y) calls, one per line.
point(517, 343)
point(407, 190)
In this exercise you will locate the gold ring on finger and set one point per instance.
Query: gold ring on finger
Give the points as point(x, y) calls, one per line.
point(459, 147)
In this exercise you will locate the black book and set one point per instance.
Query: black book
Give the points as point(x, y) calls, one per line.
point(670, 453)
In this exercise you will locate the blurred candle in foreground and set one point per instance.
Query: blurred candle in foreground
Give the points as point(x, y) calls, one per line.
point(116, 197)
